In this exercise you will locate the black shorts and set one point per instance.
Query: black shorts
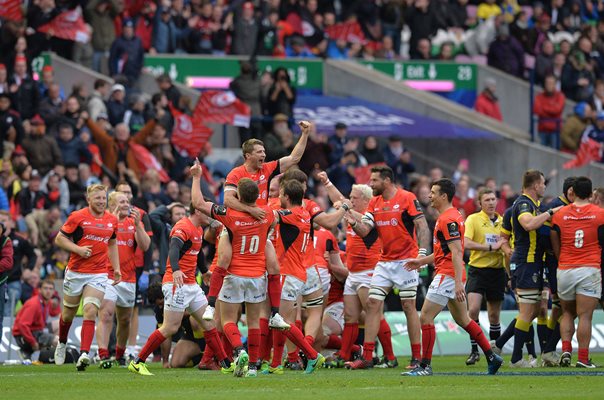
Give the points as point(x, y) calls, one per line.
point(528, 275)
point(489, 282)
point(139, 296)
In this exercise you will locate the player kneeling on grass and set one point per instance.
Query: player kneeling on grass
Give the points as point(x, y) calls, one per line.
point(120, 298)
point(181, 292)
point(577, 240)
point(447, 287)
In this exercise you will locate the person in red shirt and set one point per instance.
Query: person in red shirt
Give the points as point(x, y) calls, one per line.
point(487, 102)
point(30, 322)
point(577, 238)
point(448, 285)
point(89, 234)
point(400, 223)
point(549, 106)
point(262, 173)
point(181, 291)
point(120, 299)
point(246, 279)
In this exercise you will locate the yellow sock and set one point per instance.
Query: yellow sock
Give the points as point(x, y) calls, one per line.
point(523, 325)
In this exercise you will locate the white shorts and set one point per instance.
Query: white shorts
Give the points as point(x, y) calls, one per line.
point(585, 281)
point(313, 281)
point(357, 280)
point(392, 274)
point(291, 288)
point(325, 279)
point(441, 290)
point(74, 282)
point(186, 297)
point(336, 312)
point(123, 294)
point(238, 289)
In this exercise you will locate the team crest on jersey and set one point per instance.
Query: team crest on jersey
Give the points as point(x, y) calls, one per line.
point(110, 225)
point(393, 222)
point(396, 207)
point(453, 229)
point(130, 228)
point(386, 209)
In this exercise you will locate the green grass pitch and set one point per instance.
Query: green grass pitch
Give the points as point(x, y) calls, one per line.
point(451, 380)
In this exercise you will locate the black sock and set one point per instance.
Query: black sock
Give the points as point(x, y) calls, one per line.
point(542, 335)
point(530, 343)
point(553, 339)
point(212, 301)
point(520, 338)
point(274, 310)
point(494, 331)
point(425, 362)
point(506, 335)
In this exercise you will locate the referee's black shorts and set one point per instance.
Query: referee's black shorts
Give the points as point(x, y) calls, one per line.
point(489, 282)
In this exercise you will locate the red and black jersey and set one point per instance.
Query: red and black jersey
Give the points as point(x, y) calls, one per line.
point(294, 232)
point(192, 237)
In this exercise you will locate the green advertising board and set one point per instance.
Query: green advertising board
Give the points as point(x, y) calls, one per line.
point(449, 76)
point(40, 62)
point(203, 72)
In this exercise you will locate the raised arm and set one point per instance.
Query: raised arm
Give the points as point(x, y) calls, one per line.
point(196, 197)
point(296, 155)
point(362, 224)
point(336, 267)
point(332, 191)
point(331, 220)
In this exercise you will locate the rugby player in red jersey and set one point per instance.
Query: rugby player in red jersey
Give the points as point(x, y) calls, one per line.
point(262, 173)
point(181, 292)
point(119, 300)
point(577, 238)
point(89, 234)
point(448, 286)
point(398, 218)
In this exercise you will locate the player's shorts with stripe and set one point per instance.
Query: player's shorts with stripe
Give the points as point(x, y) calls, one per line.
point(291, 287)
point(313, 281)
point(392, 274)
point(123, 294)
point(441, 290)
point(74, 282)
point(186, 297)
point(325, 279)
point(238, 289)
point(586, 281)
point(357, 280)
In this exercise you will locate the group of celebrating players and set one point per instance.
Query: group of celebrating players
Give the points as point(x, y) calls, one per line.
point(278, 262)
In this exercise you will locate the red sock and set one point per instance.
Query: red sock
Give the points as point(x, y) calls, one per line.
point(478, 336)
point(368, 348)
point(385, 337)
point(334, 342)
point(567, 346)
point(208, 355)
point(213, 341)
point(583, 355)
point(428, 339)
point(87, 335)
point(295, 335)
point(154, 341)
point(253, 344)
point(232, 333)
point(226, 345)
point(416, 350)
point(309, 339)
point(292, 356)
point(216, 281)
point(299, 325)
point(119, 352)
point(63, 330)
point(274, 291)
point(349, 336)
point(278, 345)
point(104, 354)
point(265, 340)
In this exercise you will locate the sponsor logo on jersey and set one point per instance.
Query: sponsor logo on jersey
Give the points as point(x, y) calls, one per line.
point(96, 238)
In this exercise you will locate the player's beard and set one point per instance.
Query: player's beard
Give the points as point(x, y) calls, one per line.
point(377, 191)
point(97, 208)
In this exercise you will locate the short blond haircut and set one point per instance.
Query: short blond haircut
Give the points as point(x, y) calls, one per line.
point(113, 198)
point(365, 190)
point(97, 187)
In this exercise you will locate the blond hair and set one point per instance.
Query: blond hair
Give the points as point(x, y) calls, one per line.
point(95, 188)
point(365, 190)
point(113, 198)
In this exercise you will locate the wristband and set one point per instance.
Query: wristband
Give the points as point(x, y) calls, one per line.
point(550, 212)
point(422, 253)
point(328, 183)
point(345, 207)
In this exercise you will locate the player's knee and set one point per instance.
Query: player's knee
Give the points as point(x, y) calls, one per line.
point(272, 267)
point(424, 319)
point(408, 306)
point(106, 316)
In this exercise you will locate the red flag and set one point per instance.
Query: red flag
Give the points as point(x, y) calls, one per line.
point(589, 150)
point(11, 10)
point(147, 161)
point(68, 25)
point(362, 174)
point(189, 135)
point(222, 108)
point(349, 31)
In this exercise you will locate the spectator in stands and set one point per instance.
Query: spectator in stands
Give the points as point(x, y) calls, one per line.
point(598, 97)
point(578, 75)
point(32, 197)
point(115, 148)
point(371, 151)
point(487, 102)
point(296, 47)
point(247, 88)
point(544, 62)
point(337, 143)
point(43, 225)
point(51, 107)
point(116, 106)
point(423, 50)
point(158, 144)
point(10, 280)
point(38, 14)
point(505, 53)
point(548, 107)
point(245, 30)
point(56, 188)
point(488, 9)
point(100, 15)
point(520, 30)
point(126, 54)
point(596, 130)
point(272, 139)
point(30, 284)
point(573, 19)
point(41, 149)
point(558, 68)
point(282, 95)
point(538, 34)
point(11, 127)
point(557, 10)
point(166, 86)
point(166, 35)
point(574, 126)
point(316, 154)
point(387, 50)
point(77, 191)
point(96, 102)
point(163, 219)
point(25, 95)
point(73, 150)
point(29, 328)
point(134, 116)
point(342, 174)
point(462, 200)
point(422, 22)
point(71, 115)
point(3, 79)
